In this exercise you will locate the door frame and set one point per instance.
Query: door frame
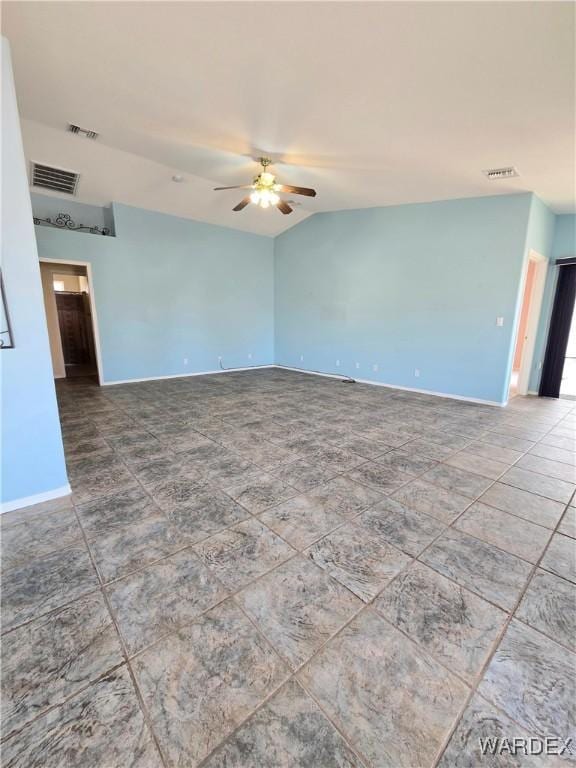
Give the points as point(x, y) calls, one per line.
point(92, 299)
point(534, 312)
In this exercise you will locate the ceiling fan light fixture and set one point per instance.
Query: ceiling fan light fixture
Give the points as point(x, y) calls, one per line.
point(255, 197)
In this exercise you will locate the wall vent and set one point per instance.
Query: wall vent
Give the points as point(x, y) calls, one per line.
point(76, 129)
point(501, 173)
point(55, 179)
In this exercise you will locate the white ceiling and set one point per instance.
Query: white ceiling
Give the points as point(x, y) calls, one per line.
point(370, 103)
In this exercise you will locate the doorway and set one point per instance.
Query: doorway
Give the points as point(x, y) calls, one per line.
point(532, 293)
point(559, 371)
point(70, 318)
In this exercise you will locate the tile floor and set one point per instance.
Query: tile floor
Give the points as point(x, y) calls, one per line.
point(269, 569)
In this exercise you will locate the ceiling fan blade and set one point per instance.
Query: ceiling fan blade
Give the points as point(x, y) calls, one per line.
point(298, 190)
point(242, 204)
point(245, 186)
point(283, 207)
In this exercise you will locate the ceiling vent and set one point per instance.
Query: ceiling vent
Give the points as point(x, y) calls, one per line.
point(501, 173)
point(55, 179)
point(76, 129)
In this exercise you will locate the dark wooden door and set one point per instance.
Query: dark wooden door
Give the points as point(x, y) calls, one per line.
point(75, 328)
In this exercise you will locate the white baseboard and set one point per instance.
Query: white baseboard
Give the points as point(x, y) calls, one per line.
point(38, 498)
point(185, 375)
point(374, 383)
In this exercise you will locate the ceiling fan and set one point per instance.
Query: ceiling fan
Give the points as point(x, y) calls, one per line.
point(265, 190)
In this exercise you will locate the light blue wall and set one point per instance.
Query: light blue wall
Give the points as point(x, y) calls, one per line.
point(167, 289)
point(32, 453)
point(406, 287)
point(563, 246)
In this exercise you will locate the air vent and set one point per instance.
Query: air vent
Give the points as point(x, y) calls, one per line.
point(76, 129)
point(501, 173)
point(55, 179)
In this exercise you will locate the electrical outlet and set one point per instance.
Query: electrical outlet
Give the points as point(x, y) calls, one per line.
point(185, 361)
point(375, 367)
point(417, 372)
point(499, 322)
point(301, 358)
point(337, 363)
point(249, 355)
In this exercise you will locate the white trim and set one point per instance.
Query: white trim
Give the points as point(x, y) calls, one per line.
point(38, 498)
point(185, 375)
point(534, 311)
point(397, 386)
point(92, 299)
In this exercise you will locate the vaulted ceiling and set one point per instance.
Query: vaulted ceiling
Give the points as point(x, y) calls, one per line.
point(370, 103)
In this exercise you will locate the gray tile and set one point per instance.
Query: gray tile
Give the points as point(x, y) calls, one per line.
point(141, 453)
point(27, 514)
point(368, 449)
point(548, 467)
point(496, 452)
point(48, 660)
point(121, 551)
point(345, 496)
point(556, 454)
point(227, 470)
point(260, 492)
point(43, 584)
point(549, 605)
point(178, 492)
point(404, 527)
point(479, 465)
point(39, 535)
point(303, 475)
point(410, 463)
point(207, 514)
point(550, 487)
point(163, 597)
point(566, 443)
point(266, 456)
point(89, 446)
point(527, 505)
point(116, 511)
point(482, 721)
point(98, 476)
point(430, 449)
point(358, 559)
point(103, 726)
point(303, 519)
point(241, 554)
point(391, 700)
point(508, 441)
point(158, 469)
point(504, 531)
point(454, 625)
point(298, 607)
point(458, 480)
point(337, 458)
point(307, 517)
point(432, 500)
point(382, 479)
point(201, 683)
point(531, 679)
point(489, 572)
point(560, 557)
point(290, 731)
point(568, 524)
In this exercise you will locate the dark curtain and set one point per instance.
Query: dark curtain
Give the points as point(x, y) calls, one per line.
point(559, 332)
